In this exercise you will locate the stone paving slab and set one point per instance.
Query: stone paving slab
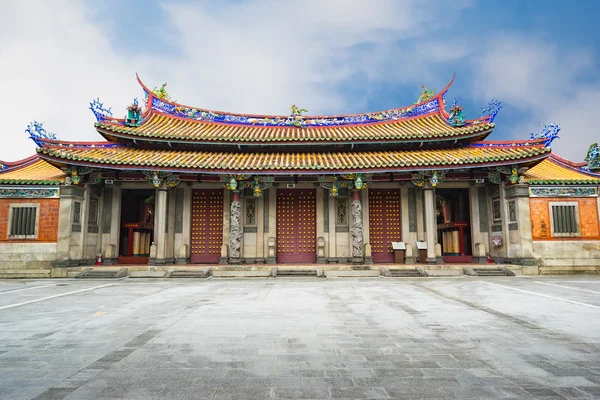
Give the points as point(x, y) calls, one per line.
point(470, 338)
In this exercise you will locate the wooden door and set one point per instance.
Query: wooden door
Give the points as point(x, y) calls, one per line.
point(207, 226)
point(296, 226)
point(384, 223)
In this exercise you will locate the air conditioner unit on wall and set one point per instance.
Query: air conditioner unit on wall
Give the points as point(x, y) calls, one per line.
point(291, 185)
point(479, 180)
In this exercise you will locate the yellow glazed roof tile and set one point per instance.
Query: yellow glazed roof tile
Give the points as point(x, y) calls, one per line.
point(551, 171)
point(36, 172)
point(126, 157)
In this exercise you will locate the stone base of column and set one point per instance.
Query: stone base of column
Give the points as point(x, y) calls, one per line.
point(223, 260)
point(358, 260)
point(182, 260)
point(410, 260)
point(234, 260)
point(480, 260)
point(369, 260)
point(271, 260)
point(431, 260)
point(321, 260)
point(157, 261)
point(439, 260)
point(259, 260)
point(110, 261)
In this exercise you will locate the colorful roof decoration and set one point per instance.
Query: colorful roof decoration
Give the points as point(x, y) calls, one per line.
point(166, 120)
point(555, 170)
point(31, 171)
point(284, 163)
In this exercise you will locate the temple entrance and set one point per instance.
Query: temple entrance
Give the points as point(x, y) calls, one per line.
point(207, 226)
point(296, 226)
point(454, 224)
point(137, 226)
point(384, 223)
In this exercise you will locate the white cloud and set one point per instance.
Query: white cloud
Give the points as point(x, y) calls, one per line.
point(254, 56)
point(545, 82)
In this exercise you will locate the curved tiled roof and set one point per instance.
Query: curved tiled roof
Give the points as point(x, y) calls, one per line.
point(555, 170)
point(279, 162)
point(165, 120)
point(424, 128)
point(32, 171)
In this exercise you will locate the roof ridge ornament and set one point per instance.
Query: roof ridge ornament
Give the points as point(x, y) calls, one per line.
point(491, 110)
point(548, 133)
point(296, 119)
point(456, 115)
point(38, 133)
point(101, 113)
point(593, 158)
point(426, 94)
point(162, 93)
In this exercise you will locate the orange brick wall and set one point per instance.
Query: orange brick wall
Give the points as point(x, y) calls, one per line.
point(540, 218)
point(47, 224)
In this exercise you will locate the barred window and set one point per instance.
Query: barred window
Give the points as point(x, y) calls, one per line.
point(23, 221)
point(93, 212)
point(250, 211)
point(341, 207)
point(564, 218)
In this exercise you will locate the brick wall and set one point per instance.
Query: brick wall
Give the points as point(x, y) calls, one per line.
point(540, 218)
point(47, 223)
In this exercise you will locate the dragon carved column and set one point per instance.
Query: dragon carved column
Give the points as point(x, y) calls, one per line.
point(235, 237)
point(357, 226)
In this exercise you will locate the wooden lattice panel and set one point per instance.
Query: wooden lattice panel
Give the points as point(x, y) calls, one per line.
point(296, 226)
point(384, 223)
point(207, 226)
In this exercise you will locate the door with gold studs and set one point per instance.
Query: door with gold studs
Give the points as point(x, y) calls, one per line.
point(207, 226)
point(296, 226)
point(384, 223)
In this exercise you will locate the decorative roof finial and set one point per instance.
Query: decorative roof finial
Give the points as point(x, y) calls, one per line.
point(134, 114)
point(99, 111)
point(296, 119)
point(426, 94)
point(548, 133)
point(491, 110)
point(593, 158)
point(162, 93)
point(37, 133)
point(456, 118)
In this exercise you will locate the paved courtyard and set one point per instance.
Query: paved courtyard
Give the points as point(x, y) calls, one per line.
point(305, 338)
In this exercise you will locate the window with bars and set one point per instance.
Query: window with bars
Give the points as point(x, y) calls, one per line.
point(564, 218)
point(23, 221)
point(250, 211)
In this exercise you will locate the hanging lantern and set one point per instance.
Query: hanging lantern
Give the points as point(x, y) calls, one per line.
point(156, 180)
point(74, 176)
point(434, 179)
point(232, 184)
point(358, 182)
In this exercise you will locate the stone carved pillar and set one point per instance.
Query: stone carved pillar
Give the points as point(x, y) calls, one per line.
point(357, 228)
point(160, 224)
point(431, 226)
point(236, 232)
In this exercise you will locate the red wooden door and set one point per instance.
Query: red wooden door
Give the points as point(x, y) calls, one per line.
point(296, 226)
point(384, 223)
point(207, 226)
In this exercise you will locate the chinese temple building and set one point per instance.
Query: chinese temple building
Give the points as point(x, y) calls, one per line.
point(175, 184)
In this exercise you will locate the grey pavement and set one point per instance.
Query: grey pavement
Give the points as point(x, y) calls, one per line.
point(415, 338)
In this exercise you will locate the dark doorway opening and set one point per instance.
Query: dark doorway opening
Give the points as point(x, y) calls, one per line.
point(454, 225)
point(137, 226)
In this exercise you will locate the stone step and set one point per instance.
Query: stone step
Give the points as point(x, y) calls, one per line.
point(188, 274)
point(490, 272)
point(406, 273)
point(102, 274)
point(297, 272)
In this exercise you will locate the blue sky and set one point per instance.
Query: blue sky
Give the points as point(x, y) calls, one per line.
point(330, 56)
